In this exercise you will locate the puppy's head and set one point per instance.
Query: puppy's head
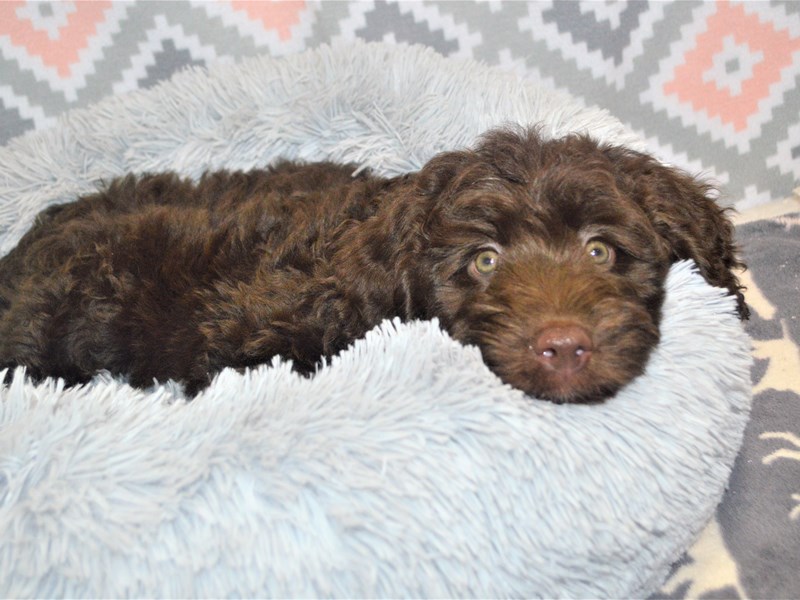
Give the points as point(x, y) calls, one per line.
point(551, 256)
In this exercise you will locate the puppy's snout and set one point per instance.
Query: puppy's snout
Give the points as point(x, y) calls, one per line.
point(565, 349)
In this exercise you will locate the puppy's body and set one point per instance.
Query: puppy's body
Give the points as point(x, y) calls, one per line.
point(549, 255)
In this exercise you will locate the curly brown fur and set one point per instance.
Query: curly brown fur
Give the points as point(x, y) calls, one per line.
point(550, 256)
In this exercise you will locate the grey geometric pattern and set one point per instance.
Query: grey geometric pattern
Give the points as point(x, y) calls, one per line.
point(12, 124)
point(387, 19)
point(610, 39)
point(606, 53)
point(169, 61)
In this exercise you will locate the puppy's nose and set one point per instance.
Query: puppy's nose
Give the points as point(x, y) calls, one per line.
point(563, 348)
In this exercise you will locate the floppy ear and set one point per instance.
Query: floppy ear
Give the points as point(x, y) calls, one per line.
point(509, 153)
point(686, 216)
point(442, 171)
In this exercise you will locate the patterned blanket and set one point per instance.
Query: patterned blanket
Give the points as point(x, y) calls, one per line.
point(710, 86)
point(750, 548)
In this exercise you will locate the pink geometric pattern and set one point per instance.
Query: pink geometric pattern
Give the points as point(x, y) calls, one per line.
point(276, 15)
point(63, 51)
point(58, 42)
point(732, 66)
point(705, 83)
point(770, 47)
point(281, 27)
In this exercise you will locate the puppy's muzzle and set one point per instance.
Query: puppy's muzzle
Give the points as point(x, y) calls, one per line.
point(563, 348)
point(564, 331)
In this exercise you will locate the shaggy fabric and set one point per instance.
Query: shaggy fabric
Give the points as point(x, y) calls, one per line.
point(405, 467)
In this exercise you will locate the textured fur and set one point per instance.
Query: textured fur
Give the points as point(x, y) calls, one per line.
point(160, 278)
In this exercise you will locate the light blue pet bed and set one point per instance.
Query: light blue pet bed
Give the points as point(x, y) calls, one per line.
point(405, 467)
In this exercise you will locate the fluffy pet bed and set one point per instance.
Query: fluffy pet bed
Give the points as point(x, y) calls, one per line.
point(403, 468)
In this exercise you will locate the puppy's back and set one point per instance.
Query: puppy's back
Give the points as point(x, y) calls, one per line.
point(125, 274)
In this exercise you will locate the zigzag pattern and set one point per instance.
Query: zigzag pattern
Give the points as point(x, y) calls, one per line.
point(712, 87)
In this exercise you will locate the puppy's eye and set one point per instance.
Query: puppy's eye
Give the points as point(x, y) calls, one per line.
point(600, 252)
point(486, 262)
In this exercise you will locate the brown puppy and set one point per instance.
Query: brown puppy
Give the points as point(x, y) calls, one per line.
point(550, 256)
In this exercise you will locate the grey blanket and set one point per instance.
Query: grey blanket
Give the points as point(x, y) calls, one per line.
point(751, 548)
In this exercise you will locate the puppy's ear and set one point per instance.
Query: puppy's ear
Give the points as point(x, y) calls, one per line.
point(509, 153)
point(686, 216)
point(443, 171)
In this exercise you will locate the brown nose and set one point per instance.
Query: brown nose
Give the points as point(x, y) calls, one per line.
point(563, 348)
